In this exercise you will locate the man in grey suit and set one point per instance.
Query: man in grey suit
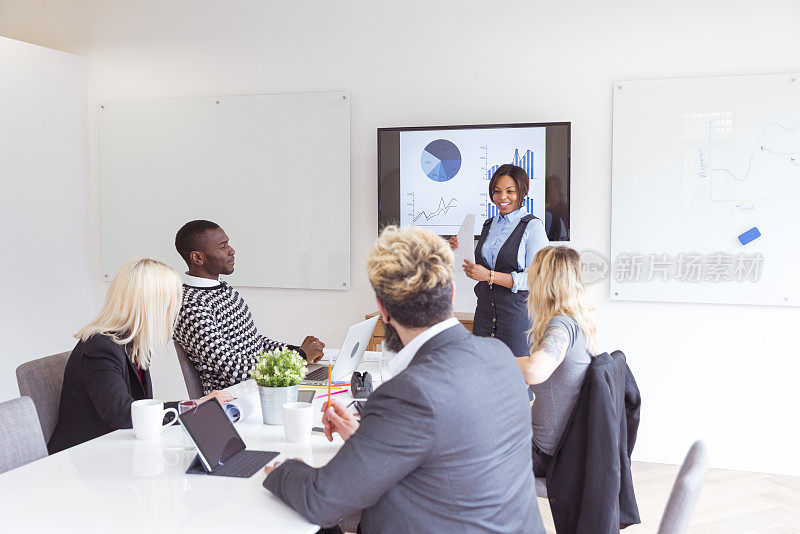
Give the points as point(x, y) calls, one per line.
point(444, 446)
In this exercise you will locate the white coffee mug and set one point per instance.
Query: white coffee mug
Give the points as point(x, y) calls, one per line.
point(297, 419)
point(148, 415)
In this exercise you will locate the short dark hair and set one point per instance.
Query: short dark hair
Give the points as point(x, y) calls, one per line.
point(190, 237)
point(517, 174)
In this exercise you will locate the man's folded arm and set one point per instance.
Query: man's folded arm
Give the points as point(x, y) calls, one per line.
point(395, 437)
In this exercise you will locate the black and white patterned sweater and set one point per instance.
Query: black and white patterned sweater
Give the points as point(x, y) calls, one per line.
point(217, 331)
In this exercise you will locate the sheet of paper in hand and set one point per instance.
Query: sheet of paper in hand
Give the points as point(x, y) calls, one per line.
point(465, 300)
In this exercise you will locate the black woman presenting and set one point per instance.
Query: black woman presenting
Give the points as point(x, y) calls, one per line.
point(507, 245)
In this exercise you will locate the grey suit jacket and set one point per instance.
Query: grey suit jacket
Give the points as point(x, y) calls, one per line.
point(445, 446)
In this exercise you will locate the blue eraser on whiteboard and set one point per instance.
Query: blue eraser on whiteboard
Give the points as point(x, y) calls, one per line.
point(749, 235)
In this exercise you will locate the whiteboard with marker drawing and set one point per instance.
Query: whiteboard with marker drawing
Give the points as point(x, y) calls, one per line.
point(706, 190)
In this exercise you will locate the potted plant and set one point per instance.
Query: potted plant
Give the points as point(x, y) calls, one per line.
point(278, 374)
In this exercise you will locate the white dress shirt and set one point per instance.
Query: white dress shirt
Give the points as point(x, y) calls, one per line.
point(196, 281)
point(407, 353)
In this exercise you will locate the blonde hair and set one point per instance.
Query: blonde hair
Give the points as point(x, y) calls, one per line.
point(556, 289)
point(411, 271)
point(140, 309)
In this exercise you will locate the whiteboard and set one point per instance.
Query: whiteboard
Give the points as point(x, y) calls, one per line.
point(697, 163)
point(272, 170)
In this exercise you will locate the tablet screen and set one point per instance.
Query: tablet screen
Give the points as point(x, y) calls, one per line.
point(212, 432)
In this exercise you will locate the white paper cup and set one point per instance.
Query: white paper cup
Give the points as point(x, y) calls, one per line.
point(297, 419)
point(147, 416)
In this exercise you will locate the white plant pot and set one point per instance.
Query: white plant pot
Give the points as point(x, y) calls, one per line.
point(272, 401)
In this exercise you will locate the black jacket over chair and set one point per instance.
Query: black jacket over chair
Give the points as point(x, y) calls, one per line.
point(589, 482)
point(100, 383)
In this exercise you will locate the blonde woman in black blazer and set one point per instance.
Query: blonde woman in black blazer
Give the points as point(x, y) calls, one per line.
point(109, 368)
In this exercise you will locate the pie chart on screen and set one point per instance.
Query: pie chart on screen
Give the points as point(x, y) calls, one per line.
point(441, 160)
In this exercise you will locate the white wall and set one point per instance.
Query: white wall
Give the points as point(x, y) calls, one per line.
point(722, 373)
point(44, 204)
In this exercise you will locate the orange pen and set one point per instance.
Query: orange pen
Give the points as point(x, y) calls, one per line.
point(330, 372)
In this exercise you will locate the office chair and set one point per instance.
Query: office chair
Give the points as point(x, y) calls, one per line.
point(21, 439)
point(685, 491)
point(194, 386)
point(41, 380)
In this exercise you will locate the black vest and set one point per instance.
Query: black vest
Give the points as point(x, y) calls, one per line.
point(500, 312)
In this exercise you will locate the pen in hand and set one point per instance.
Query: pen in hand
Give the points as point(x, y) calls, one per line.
point(330, 372)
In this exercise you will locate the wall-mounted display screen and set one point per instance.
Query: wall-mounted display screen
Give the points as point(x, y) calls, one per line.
point(434, 176)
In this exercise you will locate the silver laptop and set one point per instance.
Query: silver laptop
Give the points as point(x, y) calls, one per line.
point(355, 343)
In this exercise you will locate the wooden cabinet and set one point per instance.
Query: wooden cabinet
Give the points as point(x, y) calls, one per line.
point(377, 334)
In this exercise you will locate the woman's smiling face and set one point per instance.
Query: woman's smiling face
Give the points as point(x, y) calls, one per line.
point(504, 195)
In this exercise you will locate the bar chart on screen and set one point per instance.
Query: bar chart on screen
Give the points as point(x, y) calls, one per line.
point(526, 162)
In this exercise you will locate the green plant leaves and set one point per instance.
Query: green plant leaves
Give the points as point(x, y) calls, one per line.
point(279, 368)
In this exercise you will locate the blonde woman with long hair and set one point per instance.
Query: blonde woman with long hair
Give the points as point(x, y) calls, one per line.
point(564, 339)
point(109, 368)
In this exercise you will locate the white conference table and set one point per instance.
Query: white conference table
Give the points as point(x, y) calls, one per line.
point(116, 483)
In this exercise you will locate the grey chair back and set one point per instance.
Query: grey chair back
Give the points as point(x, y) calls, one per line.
point(541, 487)
point(21, 439)
point(685, 492)
point(194, 386)
point(41, 380)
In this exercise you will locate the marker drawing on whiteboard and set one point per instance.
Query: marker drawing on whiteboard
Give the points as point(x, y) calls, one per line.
point(749, 235)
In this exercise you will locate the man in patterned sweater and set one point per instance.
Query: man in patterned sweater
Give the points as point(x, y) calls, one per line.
point(215, 326)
